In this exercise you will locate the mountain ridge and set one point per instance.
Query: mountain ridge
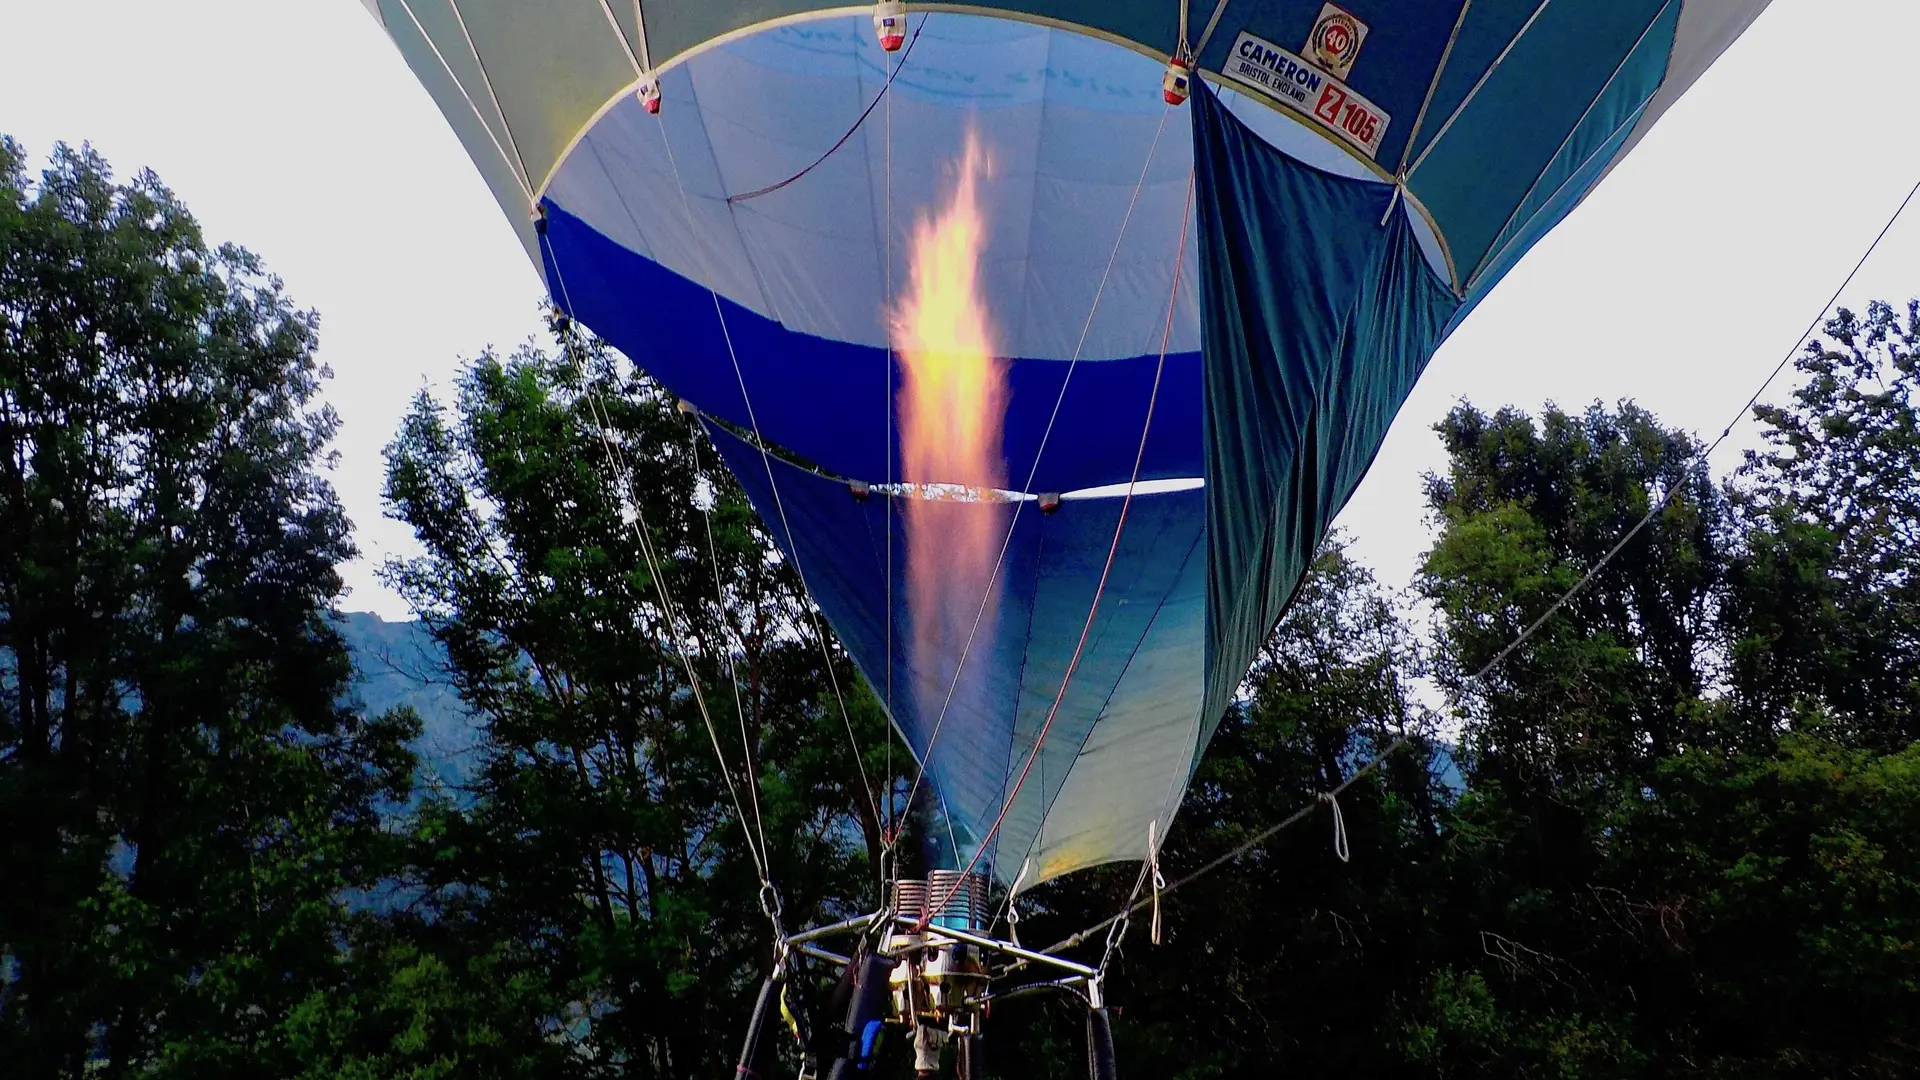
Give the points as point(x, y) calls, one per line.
point(398, 662)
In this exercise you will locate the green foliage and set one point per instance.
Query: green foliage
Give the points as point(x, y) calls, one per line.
point(1685, 842)
point(1288, 955)
point(1525, 512)
point(185, 801)
point(1685, 847)
point(422, 1001)
point(1827, 600)
point(1785, 893)
point(603, 844)
point(1683, 839)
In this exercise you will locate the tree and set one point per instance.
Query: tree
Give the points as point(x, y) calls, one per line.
point(1827, 598)
point(185, 796)
point(1685, 848)
point(1535, 971)
point(1524, 512)
point(659, 718)
point(1685, 840)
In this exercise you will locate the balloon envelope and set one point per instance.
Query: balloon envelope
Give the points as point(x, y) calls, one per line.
point(1361, 175)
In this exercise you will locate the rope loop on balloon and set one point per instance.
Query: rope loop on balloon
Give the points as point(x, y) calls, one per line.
point(1340, 849)
point(1159, 879)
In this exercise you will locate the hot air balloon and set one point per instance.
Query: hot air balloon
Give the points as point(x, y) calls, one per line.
point(1048, 336)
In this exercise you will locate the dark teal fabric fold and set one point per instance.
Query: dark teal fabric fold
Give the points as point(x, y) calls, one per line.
point(1318, 313)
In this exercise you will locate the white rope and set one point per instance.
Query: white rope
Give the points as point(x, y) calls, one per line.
point(1433, 87)
point(640, 32)
point(639, 68)
point(1013, 907)
point(487, 81)
point(1340, 849)
point(640, 29)
point(614, 452)
point(506, 159)
point(1420, 118)
point(616, 460)
point(1206, 35)
point(733, 672)
point(1238, 850)
point(1159, 879)
point(1119, 924)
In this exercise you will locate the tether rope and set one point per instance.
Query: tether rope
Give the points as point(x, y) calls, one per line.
point(1486, 75)
point(1700, 459)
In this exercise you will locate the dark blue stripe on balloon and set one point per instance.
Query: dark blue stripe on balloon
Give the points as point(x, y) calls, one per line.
point(823, 399)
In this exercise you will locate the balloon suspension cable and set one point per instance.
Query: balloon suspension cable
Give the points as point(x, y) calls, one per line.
point(1433, 87)
point(620, 32)
point(890, 868)
point(1485, 77)
point(511, 160)
point(623, 474)
point(858, 121)
point(1213, 23)
point(773, 485)
point(1106, 570)
point(486, 80)
point(1006, 543)
point(733, 632)
point(646, 87)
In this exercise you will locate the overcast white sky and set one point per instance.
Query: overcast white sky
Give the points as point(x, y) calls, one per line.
point(294, 128)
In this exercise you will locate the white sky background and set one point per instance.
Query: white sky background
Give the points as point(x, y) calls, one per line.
point(294, 128)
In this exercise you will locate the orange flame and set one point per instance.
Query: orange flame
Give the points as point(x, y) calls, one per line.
point(953, 399)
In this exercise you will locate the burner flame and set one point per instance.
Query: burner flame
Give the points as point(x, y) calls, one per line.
point(951, 406)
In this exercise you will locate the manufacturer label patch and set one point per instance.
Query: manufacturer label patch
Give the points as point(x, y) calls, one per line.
point(1306, 89)
point(1336, 40)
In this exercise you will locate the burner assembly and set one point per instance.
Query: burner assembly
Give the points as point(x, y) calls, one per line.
point(925, 968)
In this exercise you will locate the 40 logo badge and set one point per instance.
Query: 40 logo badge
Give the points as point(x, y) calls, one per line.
point(1335, 42)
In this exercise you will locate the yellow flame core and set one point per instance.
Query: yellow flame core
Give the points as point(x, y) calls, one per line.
point(952, 403)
